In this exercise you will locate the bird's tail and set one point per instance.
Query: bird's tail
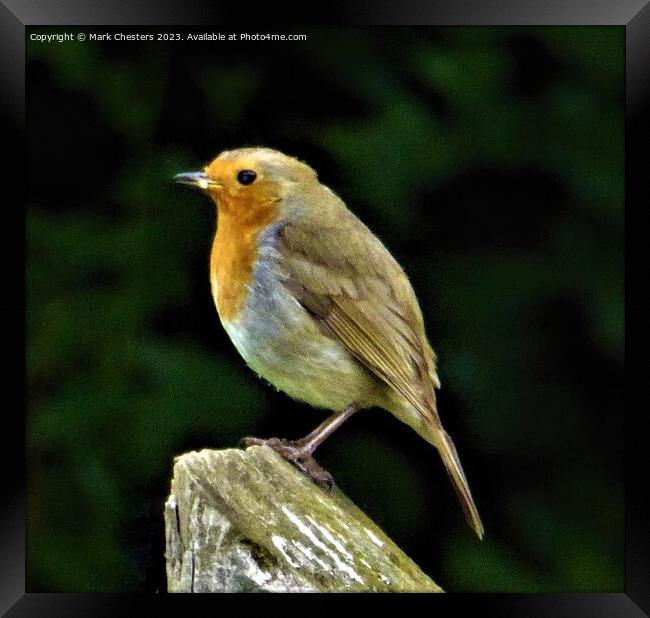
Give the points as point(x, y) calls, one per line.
point(447, 450)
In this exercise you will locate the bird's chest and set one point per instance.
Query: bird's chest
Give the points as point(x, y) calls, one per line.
point(254, 308)
point(281, 342)
point(232, 261)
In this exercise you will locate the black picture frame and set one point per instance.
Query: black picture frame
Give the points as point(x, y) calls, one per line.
point(634, 15)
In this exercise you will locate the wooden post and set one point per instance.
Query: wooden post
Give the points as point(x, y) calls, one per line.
point(245, 521)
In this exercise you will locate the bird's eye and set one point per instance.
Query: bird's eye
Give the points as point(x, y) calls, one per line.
point(246, 177)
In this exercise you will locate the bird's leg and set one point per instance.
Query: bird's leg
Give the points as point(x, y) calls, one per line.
point(300, 452)
point(313, 440)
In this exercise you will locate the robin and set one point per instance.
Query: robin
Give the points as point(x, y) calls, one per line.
point(317, 306)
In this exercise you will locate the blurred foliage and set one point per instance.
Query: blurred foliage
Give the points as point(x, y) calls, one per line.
point(489, 160)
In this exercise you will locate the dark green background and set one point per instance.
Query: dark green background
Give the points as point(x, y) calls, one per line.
point(489, 161)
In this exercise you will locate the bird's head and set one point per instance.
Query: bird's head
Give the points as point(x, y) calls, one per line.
point(241, 181)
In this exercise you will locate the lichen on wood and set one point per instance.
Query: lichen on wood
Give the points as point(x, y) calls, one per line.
point(244, 521)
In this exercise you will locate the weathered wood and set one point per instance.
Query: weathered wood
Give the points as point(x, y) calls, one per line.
point(243, 521)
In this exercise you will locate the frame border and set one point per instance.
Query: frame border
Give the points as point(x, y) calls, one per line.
point(15, 15)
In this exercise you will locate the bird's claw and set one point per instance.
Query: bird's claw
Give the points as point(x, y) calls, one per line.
point(316, 473)
point(250, 441)
point(297, 455)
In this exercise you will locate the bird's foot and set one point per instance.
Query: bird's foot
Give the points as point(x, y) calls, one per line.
point(298, 455)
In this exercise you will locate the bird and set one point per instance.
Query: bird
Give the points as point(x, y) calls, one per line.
point(318, 307)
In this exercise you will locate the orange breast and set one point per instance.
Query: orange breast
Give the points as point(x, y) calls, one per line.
point(234, 252)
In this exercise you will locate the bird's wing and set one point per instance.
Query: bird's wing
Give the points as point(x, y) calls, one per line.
point(360, 295)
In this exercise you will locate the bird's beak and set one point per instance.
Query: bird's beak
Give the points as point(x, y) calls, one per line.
point(196, 179)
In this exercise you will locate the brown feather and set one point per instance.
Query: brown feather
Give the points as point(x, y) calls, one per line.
point(362, 296)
